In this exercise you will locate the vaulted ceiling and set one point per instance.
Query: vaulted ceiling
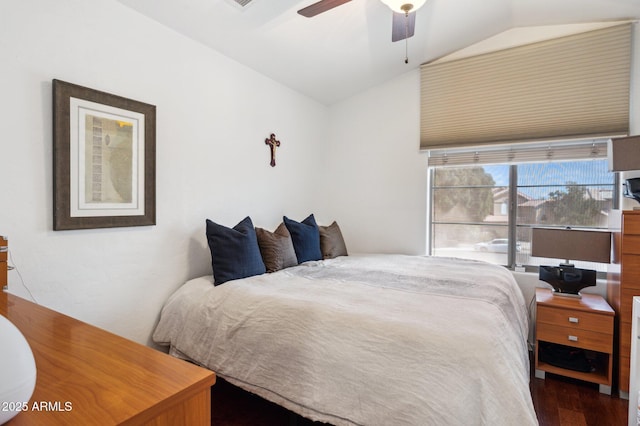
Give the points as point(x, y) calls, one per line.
point(348, 49)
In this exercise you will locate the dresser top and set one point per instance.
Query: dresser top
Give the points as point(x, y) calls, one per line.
point(87, 375)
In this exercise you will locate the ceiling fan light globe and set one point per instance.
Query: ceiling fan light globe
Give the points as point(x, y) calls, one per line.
point(404, 6)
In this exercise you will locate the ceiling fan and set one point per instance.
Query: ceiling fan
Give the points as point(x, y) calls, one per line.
point(404, 14)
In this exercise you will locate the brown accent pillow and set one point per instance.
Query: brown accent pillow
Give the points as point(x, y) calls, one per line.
point(276, 248)
point(331, 241)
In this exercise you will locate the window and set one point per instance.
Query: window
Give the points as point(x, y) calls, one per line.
point(486, 212)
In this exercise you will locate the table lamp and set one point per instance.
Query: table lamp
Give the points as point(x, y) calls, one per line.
point(570, 244)
point(624, 153)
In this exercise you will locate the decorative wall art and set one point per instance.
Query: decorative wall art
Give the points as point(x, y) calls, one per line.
point(273, 144)
point(103, 159)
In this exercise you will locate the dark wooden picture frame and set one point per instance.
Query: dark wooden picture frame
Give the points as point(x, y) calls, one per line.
point(128, 163)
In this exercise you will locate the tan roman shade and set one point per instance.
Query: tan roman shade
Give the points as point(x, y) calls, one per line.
point(571, 87)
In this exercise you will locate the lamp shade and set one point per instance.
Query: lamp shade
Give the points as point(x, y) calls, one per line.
point(397, 5)
point(17, 370)
point(624, 153)
point(571, 244)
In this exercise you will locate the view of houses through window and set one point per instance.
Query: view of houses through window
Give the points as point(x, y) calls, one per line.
point(472, 215)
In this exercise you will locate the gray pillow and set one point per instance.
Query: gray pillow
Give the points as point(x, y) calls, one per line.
point(276, 248)
point(331, 241)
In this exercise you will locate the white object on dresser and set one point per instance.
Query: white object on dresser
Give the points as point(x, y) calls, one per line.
point(17, 371)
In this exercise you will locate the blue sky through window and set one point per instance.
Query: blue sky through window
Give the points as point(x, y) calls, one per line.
point(591, 173)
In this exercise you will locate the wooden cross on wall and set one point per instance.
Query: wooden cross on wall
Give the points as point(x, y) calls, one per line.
point(273, 144)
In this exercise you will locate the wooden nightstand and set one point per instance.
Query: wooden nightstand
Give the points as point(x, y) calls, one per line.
point(585, 323)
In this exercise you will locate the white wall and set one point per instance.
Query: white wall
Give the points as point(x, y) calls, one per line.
point(212, 118)
point(376, 176)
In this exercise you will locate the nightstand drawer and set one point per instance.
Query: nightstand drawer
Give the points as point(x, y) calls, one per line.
point(601, 342)
point(575, 319)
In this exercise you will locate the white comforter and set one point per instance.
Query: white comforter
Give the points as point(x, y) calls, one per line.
point(365, 340)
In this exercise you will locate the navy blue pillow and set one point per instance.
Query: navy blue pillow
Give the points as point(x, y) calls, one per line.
point(306, 238)
point(234, 251)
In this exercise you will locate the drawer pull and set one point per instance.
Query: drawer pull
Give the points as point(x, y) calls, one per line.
point(573, 320)
point(573, 338)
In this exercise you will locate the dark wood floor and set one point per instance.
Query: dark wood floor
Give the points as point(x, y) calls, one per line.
point(231, 406)
point(558, 402)
point(567, 402)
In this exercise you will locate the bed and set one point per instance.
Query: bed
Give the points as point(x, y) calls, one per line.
point(365, 340)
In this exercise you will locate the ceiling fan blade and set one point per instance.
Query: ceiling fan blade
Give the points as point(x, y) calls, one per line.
point(320, 7)
point(399, 30)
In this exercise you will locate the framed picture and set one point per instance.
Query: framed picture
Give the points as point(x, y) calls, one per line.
point(103, 159)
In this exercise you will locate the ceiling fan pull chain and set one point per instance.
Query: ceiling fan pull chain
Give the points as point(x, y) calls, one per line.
point(406, 38)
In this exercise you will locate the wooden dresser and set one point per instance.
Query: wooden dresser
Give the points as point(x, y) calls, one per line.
point(88, 376)
point(4, 250)
point(624, 283)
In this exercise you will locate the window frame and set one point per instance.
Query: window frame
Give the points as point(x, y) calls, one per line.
point(512, 212)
